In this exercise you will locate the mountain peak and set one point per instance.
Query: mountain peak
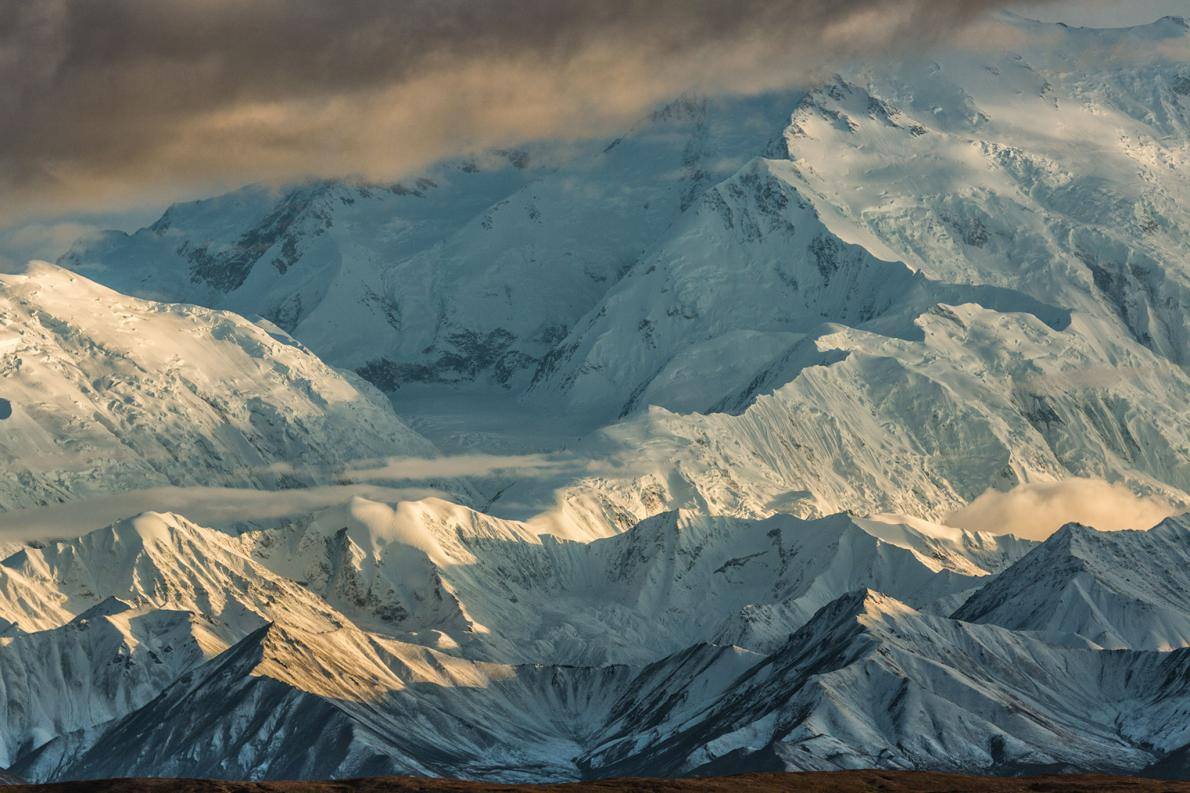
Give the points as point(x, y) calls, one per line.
point(864, 606)
point(876, 604)
point(139, 394)
point(152, 528)
point(1118, 589)
point(107, 607)
point(1073, 535)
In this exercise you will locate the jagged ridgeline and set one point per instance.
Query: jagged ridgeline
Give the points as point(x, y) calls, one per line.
point(684, 645)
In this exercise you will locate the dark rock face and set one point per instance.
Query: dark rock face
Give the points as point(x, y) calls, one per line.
point(227, 269)
point(465, 355)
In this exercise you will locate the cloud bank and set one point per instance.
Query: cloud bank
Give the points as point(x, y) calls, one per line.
point(131, 100)
point(1038, 509)
point(517, 466)
point(226, 504)
point(208, 506)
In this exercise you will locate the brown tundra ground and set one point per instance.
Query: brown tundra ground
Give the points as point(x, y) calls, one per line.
point(835, 782)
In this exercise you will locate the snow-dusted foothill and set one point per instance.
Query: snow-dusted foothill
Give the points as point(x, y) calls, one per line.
point(422, 638)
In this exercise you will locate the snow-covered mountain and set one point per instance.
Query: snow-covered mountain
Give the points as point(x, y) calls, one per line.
point(158, 561)
point(846, 298)
point(749, 267)
point(100, 625)
point(272, 681)
point(1056, 168)
point(456, 578)
point(1035, 207)
point(108, 661)
point(474, 270)
point(1119, 589)
point(869, 681)
point(759, 347)
point(104, 392)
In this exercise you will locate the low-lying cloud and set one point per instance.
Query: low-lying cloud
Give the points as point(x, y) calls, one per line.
point(397, 469)
point(206, 506)
point(1036, 510)
point(127, 100)
point(225, 504)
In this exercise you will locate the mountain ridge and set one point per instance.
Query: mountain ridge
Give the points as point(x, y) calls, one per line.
point(299, 659)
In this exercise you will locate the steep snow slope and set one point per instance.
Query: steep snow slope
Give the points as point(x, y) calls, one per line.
point(983, 399)
point(106, 392)
point(871, 682)
point(158, 561)
point(751, 271)
point(1056, 168)
point(473, 271)
point(1118, 589)
point(457, 579)
point(311, 258)
point(946, 547)
point(389, 568)
point(106, 662)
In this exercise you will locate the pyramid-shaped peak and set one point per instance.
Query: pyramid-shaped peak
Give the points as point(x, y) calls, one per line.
point(107, 607)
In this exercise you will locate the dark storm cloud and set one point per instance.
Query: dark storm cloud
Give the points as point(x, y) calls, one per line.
point(115, 99)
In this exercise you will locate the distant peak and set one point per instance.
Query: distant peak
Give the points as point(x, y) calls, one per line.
point(149, 526)
point(1072, 529)
point(859, 603)
point(104, 608)
point(874, 602)
point(1071, 536)
point(1174, 525)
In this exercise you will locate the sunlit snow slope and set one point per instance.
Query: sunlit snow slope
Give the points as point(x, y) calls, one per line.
point(106, 392)
point(427, 640)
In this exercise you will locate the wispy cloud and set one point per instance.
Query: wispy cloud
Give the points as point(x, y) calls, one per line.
point(40, 241)
point(230, 502)
point(398, 469)
point(207, 506)
point(391, 469)
point(1038, 509)
point(115, 101)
